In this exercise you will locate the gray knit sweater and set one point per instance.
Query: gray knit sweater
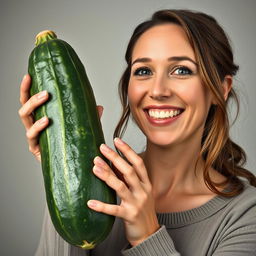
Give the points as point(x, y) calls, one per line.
point(222, 226)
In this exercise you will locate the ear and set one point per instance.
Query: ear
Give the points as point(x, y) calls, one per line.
point(227, 85)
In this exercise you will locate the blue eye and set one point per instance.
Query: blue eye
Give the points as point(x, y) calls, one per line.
point(182, 71)
point(142, 72)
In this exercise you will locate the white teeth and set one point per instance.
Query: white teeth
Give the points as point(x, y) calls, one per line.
point(163, 114)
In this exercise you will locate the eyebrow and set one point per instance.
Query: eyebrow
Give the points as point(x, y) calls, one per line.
point(173, 58)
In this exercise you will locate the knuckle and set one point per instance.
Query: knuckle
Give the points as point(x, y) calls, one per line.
point(21, 112)
point(115, 158)
point(139, 161)
point(29, 134)
point(121, 187)
point(134, 214)
point(107, 175)
point(129, 171)
point(143, 198)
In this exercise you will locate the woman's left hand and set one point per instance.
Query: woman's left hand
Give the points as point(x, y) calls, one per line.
point(137, 207)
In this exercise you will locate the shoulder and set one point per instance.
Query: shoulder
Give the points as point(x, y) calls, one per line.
point(241, 209)
point(236, 229)
point(247, 197)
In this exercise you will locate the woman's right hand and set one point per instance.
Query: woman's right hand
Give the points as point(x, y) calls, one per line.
point(29, 104)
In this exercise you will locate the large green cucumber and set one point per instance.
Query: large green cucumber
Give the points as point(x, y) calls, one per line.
point(70, 142)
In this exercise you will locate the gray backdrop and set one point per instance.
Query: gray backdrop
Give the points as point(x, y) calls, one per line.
point(99, 32)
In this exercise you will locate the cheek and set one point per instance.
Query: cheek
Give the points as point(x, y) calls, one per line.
point(195, 94)
point(135, 95)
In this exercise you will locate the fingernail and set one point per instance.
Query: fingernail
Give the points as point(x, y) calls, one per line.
point(24, 77)
point(105, 148)
point(42, 120)
point(41, 95)
point(118, 141)
point(92, 203)
point(97, 169)
point(99, 161)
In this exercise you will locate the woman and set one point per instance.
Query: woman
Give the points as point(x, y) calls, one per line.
point(187, 193)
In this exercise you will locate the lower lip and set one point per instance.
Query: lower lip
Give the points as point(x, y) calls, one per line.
point(161, 122)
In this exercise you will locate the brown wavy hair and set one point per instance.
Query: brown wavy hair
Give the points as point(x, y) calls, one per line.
point(215, 60)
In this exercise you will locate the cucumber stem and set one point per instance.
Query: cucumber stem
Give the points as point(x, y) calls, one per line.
point(88, 246)
point(44, 36)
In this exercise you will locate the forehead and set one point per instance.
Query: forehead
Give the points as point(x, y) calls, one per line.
point(163, 41)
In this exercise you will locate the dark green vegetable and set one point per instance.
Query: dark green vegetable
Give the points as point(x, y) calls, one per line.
point(70, 142)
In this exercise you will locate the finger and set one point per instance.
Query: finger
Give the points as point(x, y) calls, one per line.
point(24, 89)
point(116, 172)
point(134, 159)
point(126, 169)
point(29, 106)
point(111, 209)
point(36, 152)
point(33, 134)
point(100, 110)
point(107, 175)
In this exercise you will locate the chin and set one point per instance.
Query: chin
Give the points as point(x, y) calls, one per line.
point(161, 140)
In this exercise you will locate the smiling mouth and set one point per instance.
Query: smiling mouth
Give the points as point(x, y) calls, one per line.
point(157, 113)
point(162, 116)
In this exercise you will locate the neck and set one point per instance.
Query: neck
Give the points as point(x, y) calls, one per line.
point(172, 169)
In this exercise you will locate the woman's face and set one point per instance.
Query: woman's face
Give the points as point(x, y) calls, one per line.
point(167, 98)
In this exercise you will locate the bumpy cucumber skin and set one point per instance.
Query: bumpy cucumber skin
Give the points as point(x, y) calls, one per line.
point(69, 144)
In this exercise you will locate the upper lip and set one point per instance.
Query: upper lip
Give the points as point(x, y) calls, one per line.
point(162, 107)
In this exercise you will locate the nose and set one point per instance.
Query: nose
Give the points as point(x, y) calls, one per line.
point(159, 89)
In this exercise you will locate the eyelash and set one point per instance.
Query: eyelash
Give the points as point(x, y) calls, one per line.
point(137, 72)
point(188, 71)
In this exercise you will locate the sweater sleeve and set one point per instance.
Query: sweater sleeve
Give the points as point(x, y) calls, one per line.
point(238, 235)
point(158, 244)
point(241, 242)
point(51, 244)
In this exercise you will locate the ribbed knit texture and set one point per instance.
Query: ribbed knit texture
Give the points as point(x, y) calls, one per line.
point(220, 227)
point(158, 244)
point(179, 219)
